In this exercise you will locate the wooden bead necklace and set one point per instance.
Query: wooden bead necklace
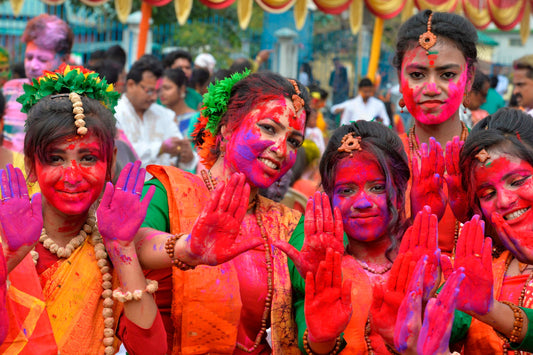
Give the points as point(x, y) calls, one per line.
point(90, 228)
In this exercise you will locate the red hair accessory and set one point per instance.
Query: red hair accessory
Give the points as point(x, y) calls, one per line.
point(482, 156)
point(349, 143)
point(297, 101)
point(428, 38)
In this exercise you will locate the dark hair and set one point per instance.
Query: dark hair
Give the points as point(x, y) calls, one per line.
point(200, 76)
point(525, 62)
point(479, 80)
point(389, 152)
point(146, 63)
point(2, 105)
point(171, 57)
point(494, 81)
point(248, 93)
point(18, 68)
point(508, 129)
point(453, 27)
point(365, 83)
point(117, 54)
point(315, 88)
point(49, 32)
point(177, 76)
point(51, 119)
point(239, 65)
point(108, 69)
point(97, 55)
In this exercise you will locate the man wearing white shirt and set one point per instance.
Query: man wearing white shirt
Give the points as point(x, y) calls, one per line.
point(523, 82)
point(363, 107)
point(150, 127)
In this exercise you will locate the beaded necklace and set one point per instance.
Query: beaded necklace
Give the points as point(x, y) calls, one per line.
point(372, 270)
point(211, 185)
point(89, 228)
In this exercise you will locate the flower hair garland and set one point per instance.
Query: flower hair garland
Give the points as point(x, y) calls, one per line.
point(216, 100)
point(67, 79)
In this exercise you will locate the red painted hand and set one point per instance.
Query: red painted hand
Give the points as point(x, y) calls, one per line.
point(16, 207)
point(520, 244)
point(322, 231)
point(474, 254)
point(421, 240)
point(212, 239)
point(435, 334)
point(4, 318)
point(386, 302)
point(409, 320)
point(427, 186)
point(121, 211)
point(457, 197)
point(328, 308)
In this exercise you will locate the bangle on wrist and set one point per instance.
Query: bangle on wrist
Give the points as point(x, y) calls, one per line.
point(169, 247)
point(309, 351)
point(151, 287)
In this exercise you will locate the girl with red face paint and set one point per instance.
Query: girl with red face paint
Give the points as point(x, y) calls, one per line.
point(364, 174)
point(76, 282)
point(435, 60)
point(247, 137)
point(497, 166)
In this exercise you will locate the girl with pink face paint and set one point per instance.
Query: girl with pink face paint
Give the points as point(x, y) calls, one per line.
point(76, 282)
point(247, 137)
point(497, 161)
point(434, 79)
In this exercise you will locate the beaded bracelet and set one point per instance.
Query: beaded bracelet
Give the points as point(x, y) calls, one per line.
point(169, 247)
point(151, 287)
point(518, 322)
point(308, 350)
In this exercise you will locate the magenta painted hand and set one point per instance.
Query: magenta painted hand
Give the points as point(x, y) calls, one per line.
point(121, 211)
point(4, 318)
point(212, 239)
point(387, 300)
point(322, 231)
point(16, 207)
point(457, 197)
point(435, 334)
point(328, 308)
point(427, 186)
point(421, 240)
point(409, 320)
point(474, 254)
point(520, 244)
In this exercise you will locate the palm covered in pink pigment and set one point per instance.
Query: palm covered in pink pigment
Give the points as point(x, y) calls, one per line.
point(427, 186)
point(457, 197)
point(213, 236)
point(16, 207)
point(121, 211)
point(474, 254)
point(322, 231)
point(519, 243)
point(3, 293)
point(328, 308)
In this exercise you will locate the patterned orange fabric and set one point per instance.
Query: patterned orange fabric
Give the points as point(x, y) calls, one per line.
point(206, 301)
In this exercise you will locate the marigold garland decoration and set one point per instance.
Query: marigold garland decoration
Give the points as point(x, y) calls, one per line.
point(67, 79)
point(216, 99)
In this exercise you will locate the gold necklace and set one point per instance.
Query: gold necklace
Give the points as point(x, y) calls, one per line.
point(372, 270)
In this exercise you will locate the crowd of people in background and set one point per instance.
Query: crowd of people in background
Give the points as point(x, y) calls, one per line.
point(182, 208)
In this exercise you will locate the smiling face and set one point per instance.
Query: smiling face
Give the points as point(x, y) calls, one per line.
point(361, 196)
point(263, 147)
point(504, 184)
point(73, 174)
point(433, 84)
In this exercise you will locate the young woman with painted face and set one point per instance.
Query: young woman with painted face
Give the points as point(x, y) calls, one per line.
point(76, 283)
point(435, 59)
point(364, 173)
point(497, 161)
point(248, 135)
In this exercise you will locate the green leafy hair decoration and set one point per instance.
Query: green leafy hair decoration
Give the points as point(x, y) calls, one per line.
point(67, 79)
point(217, 97)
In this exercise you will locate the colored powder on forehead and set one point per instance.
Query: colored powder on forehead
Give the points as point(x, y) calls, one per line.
point(51, 35)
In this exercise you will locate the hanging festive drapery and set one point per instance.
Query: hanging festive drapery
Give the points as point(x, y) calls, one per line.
point(183, 10)
point(437, 5)
point(506, 14)
point(356, 16)
point(477, 12)
point(385, 9)
point(244, 12)
point(300, 13)
point(332, 7)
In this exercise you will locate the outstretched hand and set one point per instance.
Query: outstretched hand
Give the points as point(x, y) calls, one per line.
point(474, 254)
point(121, 211)
point(519, 243)
point(322, 231)
point(213, 237)
point(436, 329)
point(4, 318)
point(427, 186)
point(328, 308)
point(457, 197)
point(16, 207)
